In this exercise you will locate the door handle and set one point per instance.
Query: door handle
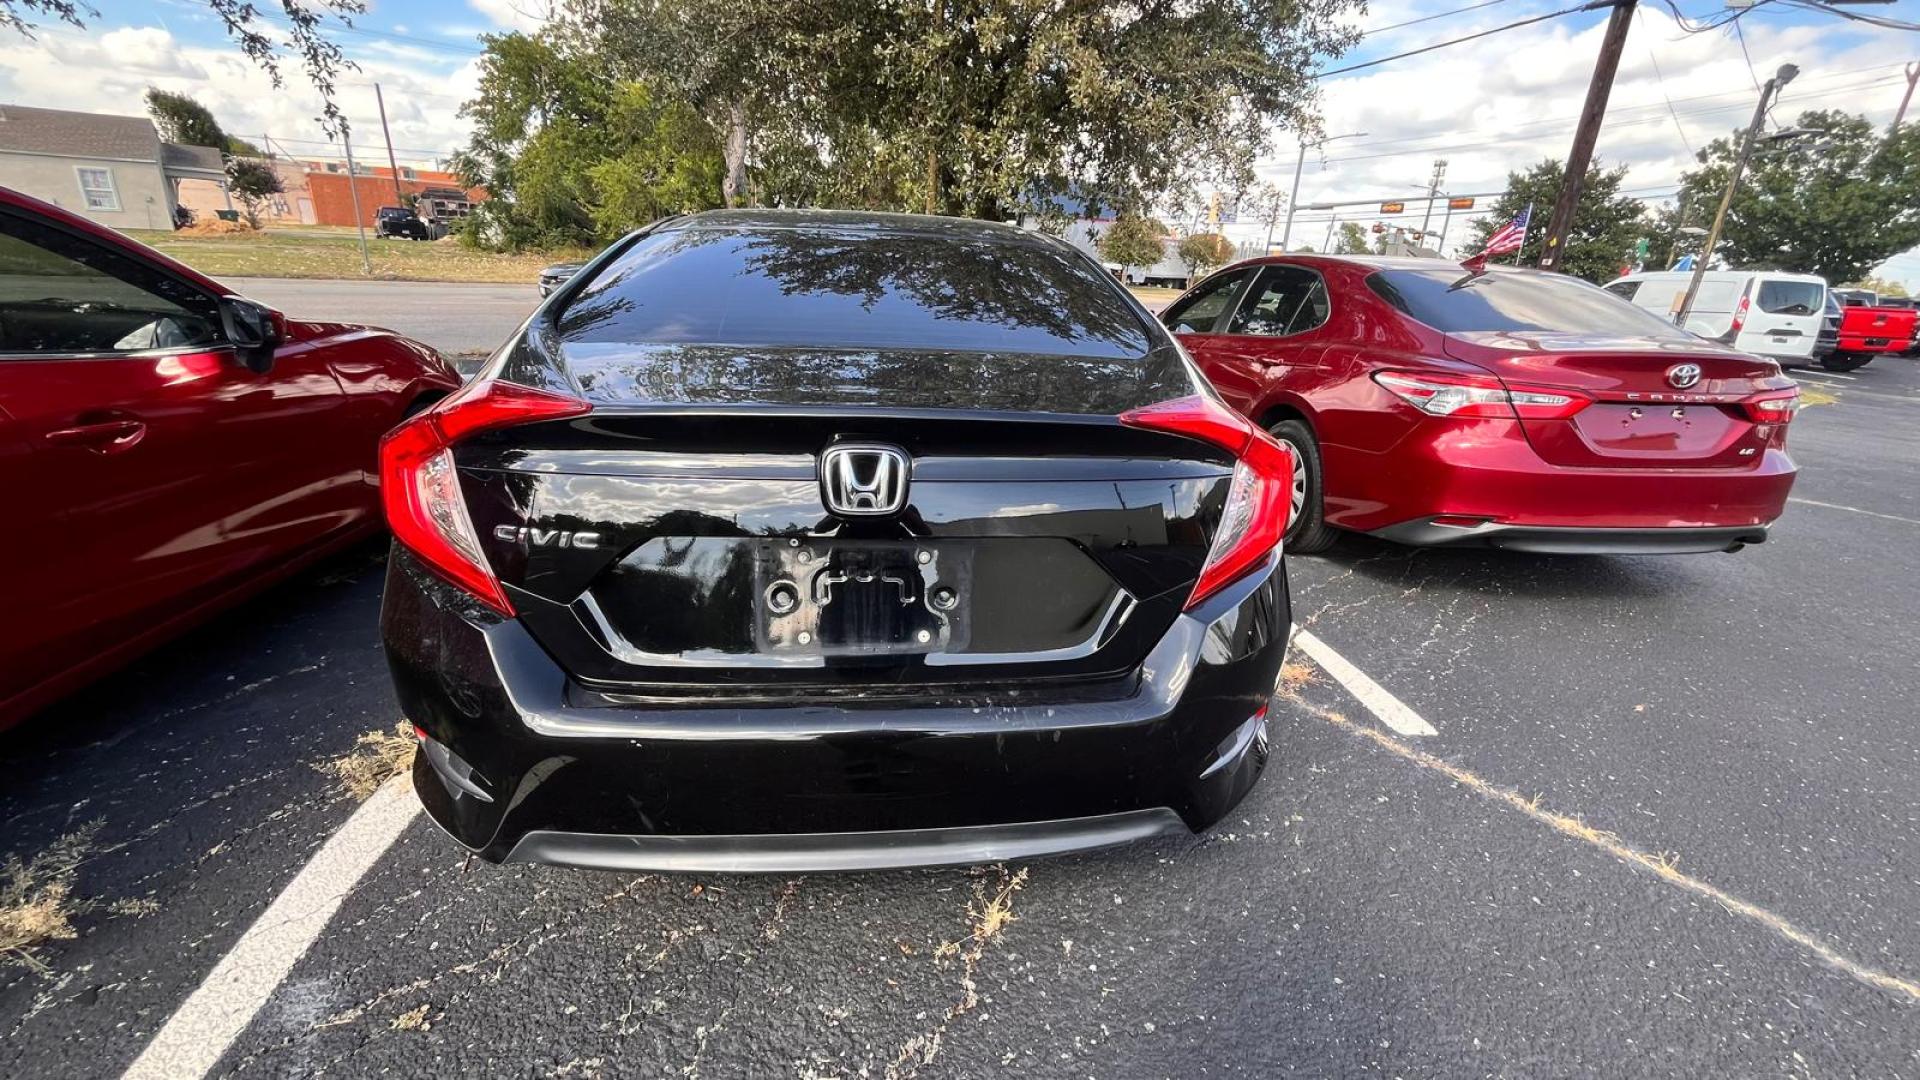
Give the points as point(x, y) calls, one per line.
point(106, 436)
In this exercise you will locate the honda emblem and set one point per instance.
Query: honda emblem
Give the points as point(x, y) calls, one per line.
point(864, 479)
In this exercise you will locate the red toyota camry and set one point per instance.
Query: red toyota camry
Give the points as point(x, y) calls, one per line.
point(168, 447)
point(1511, 408)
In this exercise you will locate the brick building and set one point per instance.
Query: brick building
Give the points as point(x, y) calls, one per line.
point(333, 198)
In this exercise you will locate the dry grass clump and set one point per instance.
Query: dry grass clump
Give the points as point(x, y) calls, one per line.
point(376, 757)
point(36, 896)
point(213, 226)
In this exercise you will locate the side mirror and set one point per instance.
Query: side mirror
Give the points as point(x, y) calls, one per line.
point(252, 331)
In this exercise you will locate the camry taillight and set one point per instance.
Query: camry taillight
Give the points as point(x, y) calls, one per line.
point(1254, 517)
point(420, 487)
point(1480, 397)
point(1772, 407)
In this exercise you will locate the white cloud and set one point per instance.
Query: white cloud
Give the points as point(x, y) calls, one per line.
point(150, 50)
point(423, 92)
point(1510, 100)
point(523, 15)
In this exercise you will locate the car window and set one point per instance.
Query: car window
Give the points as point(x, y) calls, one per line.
point(1285, 300)
point(1625, 290)
point(64, 295)
point(1514, 300)
point(827, 287)
point(1789, 297)
point(1201, 309)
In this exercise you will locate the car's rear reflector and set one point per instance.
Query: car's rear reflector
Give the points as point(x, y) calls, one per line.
point(1255, 515)
point(1480, 397)
point(420, 488)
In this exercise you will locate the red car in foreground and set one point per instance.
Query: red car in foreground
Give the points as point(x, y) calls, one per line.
point(169, 448)
point(1514, 409)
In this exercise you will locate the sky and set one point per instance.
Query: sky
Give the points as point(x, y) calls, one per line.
point(1487, 107)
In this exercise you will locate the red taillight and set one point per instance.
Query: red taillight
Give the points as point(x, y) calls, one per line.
point(420, 488)
point(1772, 407)
point(1479, 397)
point(1255, 515)
point(1739, 317)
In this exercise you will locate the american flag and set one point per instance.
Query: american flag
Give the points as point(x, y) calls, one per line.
point(1508, 238)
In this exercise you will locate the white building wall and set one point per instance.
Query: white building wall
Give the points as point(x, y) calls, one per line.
point(145, 198)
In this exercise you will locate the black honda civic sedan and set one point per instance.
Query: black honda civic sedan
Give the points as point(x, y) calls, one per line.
point(790, 541)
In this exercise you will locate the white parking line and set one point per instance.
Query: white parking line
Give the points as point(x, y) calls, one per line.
point(1851, 509)
point(1826, 375)
point(200, 1030)
point(1391, 710)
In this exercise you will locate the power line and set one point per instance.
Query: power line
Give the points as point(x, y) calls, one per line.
point(1594, 5)
point(1429, 18)
point(1661, 81)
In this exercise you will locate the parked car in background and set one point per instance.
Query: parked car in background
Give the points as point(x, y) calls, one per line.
point(169, 447)
point(797, 541)
point(554, 276)
point(1512, 409)
point(1776, 315)
point(1868, 331)
point(399, 222)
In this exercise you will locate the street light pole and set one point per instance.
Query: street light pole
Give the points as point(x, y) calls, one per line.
point(1299, 164)
point(1780, 79)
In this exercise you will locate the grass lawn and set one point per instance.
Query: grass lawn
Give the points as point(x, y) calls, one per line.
point(313, 254)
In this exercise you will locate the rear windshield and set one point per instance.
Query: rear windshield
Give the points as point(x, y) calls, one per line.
point(1451, 301)
point(826, 288)
point(1790, 297)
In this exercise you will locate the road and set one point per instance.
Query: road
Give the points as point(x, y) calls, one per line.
point(1666, 826)
point(454, 318)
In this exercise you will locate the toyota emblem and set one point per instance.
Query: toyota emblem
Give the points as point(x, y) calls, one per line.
point(1682, 376)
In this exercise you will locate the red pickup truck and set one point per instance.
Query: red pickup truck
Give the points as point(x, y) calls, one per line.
point(1871, 326)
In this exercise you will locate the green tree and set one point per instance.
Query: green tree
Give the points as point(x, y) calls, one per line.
point(1605, 226)
point(975, 107)
point(1201, 252)
point(1836, 205)
point(1879, 286)
point(184, 120)
point(251, 182)
point(1133, 240)
point(1351, 239)
point(573, 157)
point(265, 42)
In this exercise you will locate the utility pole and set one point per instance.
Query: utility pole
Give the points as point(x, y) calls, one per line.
point(399, 199)
point(353, 191)
point(1446, 223)
point(1327, 247)
point(1433, 189)
point(1913, 78)
point(1780, 79)
point(1588, 133)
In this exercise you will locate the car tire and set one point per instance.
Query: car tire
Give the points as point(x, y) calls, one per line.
point(1845, 361)
point(1307, 529)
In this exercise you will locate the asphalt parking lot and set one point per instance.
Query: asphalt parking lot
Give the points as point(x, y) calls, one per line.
point(1666, 824)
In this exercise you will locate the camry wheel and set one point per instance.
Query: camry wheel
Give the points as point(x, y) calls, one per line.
point(1307, 530)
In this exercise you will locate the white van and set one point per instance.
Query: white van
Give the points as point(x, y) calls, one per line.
point(1763, 312)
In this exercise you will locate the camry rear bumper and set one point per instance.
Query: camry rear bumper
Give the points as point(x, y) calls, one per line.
point(527, 764)
point(1548, 540)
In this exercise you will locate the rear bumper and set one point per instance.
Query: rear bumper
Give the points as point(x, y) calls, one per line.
point(563, 774)
point(1498, 479)
point(1575, 541)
